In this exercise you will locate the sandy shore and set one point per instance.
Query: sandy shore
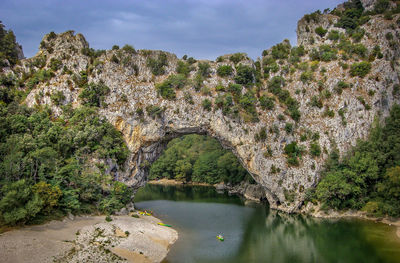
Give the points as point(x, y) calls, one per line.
point(89, 239)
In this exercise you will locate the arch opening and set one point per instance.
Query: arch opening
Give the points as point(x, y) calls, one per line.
point(230, 172)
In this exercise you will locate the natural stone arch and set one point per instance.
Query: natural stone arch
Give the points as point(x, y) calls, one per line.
point(140, 163)
point(133, 87)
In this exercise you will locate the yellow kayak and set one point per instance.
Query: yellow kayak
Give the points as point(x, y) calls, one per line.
point(220, 238)
point(162, 224)
point(145, 213)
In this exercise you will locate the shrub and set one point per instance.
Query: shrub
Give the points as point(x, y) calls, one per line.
point(293, 152)
point(167, 88)
point(57, 97)
point(224, 70)
point(207, 104)
point(281, 50)
point(381, 6)
point(321, 31)
point(267, 103)
point(204, 69)
point(306, 76)
point(237, 57)
point(129, 49)
point(114, 59)
point(154, 111)
point(55, 64)
point(289, 127)
point(183, 68)
point(315, 149)
point(157, 65)
point(324, 53)
point(316, 102)
point(360, 69)
point(333, 35)
point(340, 86)
point(94, 94)
point(244, 75)
point(220, 88)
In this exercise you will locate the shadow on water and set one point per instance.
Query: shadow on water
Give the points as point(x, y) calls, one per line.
point(254, 233)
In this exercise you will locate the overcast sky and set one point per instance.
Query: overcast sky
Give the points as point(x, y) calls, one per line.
point(204, 29)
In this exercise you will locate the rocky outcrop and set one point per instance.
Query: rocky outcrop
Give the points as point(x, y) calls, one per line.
point(254, 192)
point(344, 118)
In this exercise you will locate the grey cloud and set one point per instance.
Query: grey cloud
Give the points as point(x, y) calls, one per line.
point(204, 29)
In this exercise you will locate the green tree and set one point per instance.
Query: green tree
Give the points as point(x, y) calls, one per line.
point(19, 204)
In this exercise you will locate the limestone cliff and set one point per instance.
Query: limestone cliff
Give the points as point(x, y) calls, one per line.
point(332, 118)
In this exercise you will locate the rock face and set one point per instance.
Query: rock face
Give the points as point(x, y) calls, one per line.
point(345, 117)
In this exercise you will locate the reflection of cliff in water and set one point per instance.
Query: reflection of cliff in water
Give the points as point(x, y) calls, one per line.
point(195, 193)
point(254, 233)
point(280, 237)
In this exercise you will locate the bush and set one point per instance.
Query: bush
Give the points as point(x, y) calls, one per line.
point(207, 104)
point(94, 94)
point(248, 102)
point(154, 111)
point(281, 50)
point(57, 97)
point(55, 64)
point(289, 127)
point(316, 102)
point(315, 149)
point(224, 70)
point(183, 68)
point(129, 49)
point(321, 31)
point(204, 69)
point(267, 103)
point(237, 57)
point(360, 69)
point(167, 88)
point(306, 76)
point(333, 35)
point(340, 86)
point(244, 75)
point(293, 152)
point(324, 53)
point(114, 59)
point(157, 65)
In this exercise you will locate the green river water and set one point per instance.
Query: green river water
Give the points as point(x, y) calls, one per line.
point(255, 233)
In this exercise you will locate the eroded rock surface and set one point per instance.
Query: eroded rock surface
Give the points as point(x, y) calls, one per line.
point(344, 117)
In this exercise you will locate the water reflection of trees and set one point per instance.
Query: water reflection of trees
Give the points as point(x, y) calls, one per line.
point(272, 236)
point(184, 193)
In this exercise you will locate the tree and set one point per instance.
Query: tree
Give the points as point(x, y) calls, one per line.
point(244, 75)
point(19, 204)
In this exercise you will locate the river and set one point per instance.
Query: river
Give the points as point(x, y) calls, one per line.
point(255, 233)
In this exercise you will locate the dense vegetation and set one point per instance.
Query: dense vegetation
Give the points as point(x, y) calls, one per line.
point(8, 47)
point(50, 166)
point(368, 177)
point(198, 158)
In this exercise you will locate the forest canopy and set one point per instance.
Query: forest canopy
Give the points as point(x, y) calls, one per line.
point(198, 158)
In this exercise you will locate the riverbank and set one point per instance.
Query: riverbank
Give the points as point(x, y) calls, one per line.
point(89, 239)
point(253, 192)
